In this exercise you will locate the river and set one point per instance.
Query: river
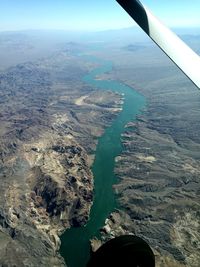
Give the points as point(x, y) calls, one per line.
point(75, 246)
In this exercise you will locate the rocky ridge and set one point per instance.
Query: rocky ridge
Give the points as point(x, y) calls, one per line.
point(47, 132)
point(159, 170)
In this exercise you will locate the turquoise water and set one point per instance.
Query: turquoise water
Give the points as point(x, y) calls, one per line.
point(75, 246)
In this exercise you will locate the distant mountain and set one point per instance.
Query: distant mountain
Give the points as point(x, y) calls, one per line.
point(129, 35)
point(133, 47)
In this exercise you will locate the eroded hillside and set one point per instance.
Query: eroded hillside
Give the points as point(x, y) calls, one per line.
point(50, 121)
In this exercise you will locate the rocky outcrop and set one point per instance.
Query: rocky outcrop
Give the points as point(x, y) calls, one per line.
point(45, 138)
point(50, 190)
point(159, 170)
point(159, 190)
point(61, 181)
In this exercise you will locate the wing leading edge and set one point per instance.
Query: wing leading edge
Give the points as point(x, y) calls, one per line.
point(181, 54)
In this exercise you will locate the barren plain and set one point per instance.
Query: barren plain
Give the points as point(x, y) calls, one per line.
point(50, 121)
point(158, 171)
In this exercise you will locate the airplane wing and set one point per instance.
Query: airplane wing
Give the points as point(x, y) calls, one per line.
point(181, 54)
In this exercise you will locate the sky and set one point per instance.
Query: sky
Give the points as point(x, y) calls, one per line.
point(90, 15)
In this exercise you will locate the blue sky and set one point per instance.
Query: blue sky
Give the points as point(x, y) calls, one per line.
point(90, 14)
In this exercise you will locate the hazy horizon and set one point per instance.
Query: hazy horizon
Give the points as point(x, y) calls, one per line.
point(194, 29)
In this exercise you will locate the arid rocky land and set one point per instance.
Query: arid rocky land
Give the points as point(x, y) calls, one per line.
point(50, 120)
point(159, 173)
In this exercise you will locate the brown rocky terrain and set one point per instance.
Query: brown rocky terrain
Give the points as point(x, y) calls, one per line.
point(50, 121)
point(49, 126)
point(158, 171)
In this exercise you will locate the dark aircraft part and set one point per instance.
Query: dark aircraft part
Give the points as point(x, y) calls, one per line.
point(123, 251)
point(137, 12)
point(182, 55)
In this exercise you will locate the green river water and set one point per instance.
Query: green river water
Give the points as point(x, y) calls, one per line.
point(75, 246)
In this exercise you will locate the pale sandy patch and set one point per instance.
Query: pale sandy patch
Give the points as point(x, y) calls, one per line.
point(149, 159)
point(69, 136)
point(189, 168)
point(91, 159)
point(80, 100)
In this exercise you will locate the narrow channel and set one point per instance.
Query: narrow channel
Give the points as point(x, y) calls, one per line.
point(75, 246)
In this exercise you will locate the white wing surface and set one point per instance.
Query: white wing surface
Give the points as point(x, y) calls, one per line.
point(181, 54)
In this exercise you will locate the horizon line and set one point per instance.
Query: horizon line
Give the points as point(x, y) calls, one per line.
point(89, 31)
